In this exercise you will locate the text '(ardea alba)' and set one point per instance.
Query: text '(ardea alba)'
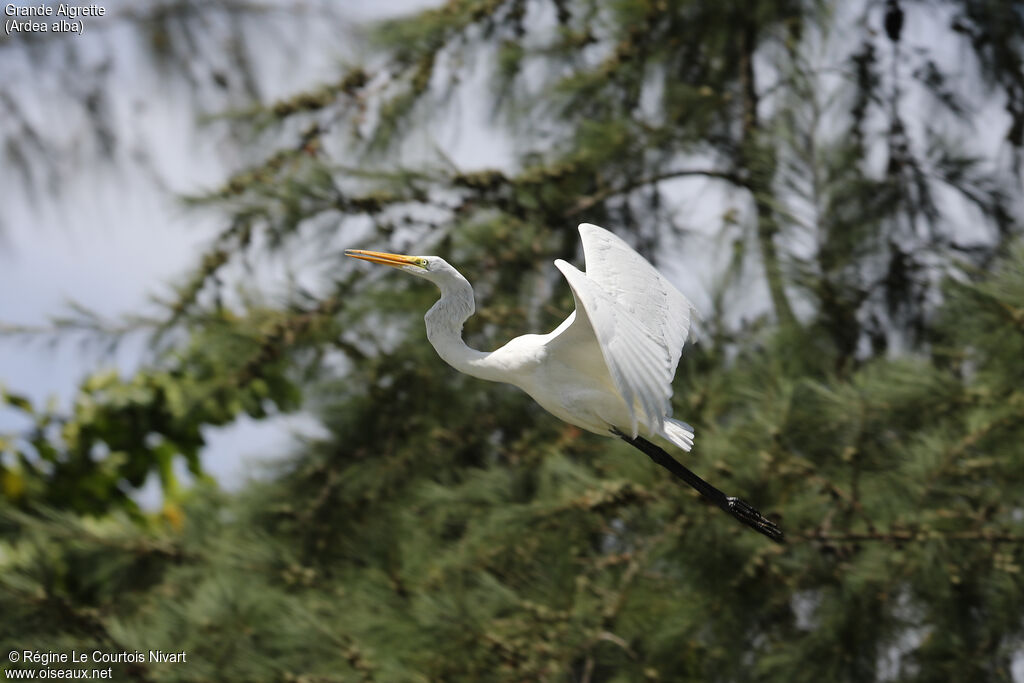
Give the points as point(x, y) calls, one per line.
point(607, 368)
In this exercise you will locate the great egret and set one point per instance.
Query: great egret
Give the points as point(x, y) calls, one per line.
point(607, 368)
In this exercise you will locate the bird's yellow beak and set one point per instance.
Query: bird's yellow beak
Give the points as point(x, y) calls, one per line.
point(395, 260)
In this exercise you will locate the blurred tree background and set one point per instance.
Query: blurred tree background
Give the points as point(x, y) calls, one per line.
point(847, 179)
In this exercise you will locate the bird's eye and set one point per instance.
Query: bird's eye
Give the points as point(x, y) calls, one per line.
point(422, 263)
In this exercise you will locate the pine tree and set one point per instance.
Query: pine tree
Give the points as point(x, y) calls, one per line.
point(448, 529)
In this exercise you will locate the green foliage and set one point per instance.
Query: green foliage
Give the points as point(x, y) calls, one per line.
point(465, 535)
point(120, 430)
point(446, 529)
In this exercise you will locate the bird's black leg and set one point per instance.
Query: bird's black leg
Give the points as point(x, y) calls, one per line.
point(740, 509)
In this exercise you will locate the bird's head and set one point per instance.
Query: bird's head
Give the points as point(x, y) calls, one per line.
point(433, 268)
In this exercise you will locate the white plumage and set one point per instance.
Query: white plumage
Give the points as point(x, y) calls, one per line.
point(609, 365)
point(637, 318)
point(607, 368)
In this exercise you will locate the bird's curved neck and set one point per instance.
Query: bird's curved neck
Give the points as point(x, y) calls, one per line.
point(444, 329)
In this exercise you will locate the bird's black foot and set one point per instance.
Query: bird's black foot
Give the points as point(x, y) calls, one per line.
point(749, 515)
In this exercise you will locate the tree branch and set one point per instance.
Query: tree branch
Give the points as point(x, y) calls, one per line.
point(912, 536)
point(587, 202)
point(763, 170)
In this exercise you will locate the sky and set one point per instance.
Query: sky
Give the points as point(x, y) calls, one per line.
point(110, 235)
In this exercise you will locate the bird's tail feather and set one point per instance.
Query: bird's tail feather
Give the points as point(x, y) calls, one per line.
point(679, 433)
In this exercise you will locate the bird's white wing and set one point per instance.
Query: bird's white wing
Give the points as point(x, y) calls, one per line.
point(639, 364)
point(639, 288)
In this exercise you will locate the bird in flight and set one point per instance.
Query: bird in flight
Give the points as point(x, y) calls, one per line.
point(607, 368)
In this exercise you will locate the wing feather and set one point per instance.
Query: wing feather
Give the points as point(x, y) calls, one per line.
point(639, 320)
point(639, 288)
point(638, 363)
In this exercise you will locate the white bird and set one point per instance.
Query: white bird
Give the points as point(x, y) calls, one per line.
point(607, 368)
